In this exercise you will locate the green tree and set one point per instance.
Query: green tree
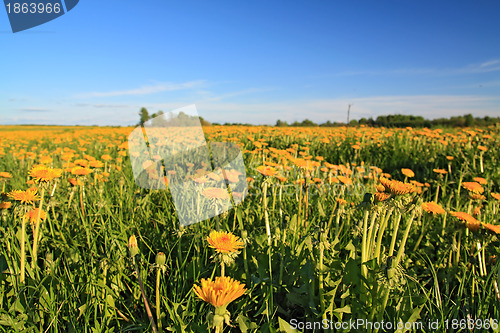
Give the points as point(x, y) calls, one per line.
point(144, 116)
point(308, 123)
point(469, 120)
point(280, 123)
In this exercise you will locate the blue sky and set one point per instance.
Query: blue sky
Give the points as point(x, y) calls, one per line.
point(253, 61)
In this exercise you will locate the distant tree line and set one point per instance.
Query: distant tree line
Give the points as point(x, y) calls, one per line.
point(158, 119)
point(399, 120)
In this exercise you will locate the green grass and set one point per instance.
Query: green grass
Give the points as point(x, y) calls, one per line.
point(84, 279)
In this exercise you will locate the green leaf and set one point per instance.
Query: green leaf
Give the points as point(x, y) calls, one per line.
point(245, 324)
point(82, 310)
point(285, 326)
point(345, 309)
point(413, 318)
point(320, 210)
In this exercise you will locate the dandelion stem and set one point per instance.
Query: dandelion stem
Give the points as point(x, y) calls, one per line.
point(371, 237)
point(481, 162)
point(364, 269)
point(306, 203)
point(394, 235)
point(401, 249)
point(457, 257)
point(23, 249)
point(437, 194)
point(81, 202)
point(270, 301)
point(484, 262)
point(146, 304)
point(37, 230)
point(320, 277)
point(331, 216)
point(71, 194)
point(338, 229)
point(266, 216)
point(380, 235)
point(444, 223)
point(158, 312)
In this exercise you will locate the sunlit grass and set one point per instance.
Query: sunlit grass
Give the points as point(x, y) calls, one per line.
point(334, 227)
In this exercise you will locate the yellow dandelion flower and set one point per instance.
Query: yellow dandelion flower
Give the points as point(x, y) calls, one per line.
point(440, 171)
point(345, 180)
point(25, 197)
point(224, 242)
point(96, 164)
point(45, 160)
point(82, 162)
point(496, 196)
point(480, 180)
point(433, 208)
point(5, 205)
point(476, 196)
point(106, 158)
point(220, 292)
point(408, 173)
point(5, 175)
point(42, 173)
point(396, 187)
point(492, 227)
point(473, 187)
point(281, 178)
point(75, 182)
point(380, 196)
point(215, 193)
point(341, 201)
point(470, 222)
point(266, 171)
point(80, 171)
point(32, 215)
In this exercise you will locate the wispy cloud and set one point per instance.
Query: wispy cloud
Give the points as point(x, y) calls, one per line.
point(492, 65)
point(261, 111)
point(321, 110)
point(145, 90)
point(33, 110)
point(236, 93)
point(101, 105)
point(489, 64)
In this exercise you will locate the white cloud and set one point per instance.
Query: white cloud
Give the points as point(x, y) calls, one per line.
point(34, 110)
point(234, 94)
point(145, 90)
point(476, 68)
point(490, 63)
point(267, 112)
point(322, 110)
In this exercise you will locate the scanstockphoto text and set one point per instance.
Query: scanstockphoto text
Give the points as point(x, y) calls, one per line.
point(391, 326)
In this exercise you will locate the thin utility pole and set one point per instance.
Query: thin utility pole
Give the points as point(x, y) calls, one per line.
point(348, 114)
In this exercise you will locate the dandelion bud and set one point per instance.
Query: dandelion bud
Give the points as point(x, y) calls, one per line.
point(161, 258)
point(132, 246)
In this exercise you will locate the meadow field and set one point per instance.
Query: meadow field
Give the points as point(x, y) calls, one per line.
point(393, 229)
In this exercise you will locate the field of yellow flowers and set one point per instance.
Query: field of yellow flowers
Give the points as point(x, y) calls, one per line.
point(368, 225)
